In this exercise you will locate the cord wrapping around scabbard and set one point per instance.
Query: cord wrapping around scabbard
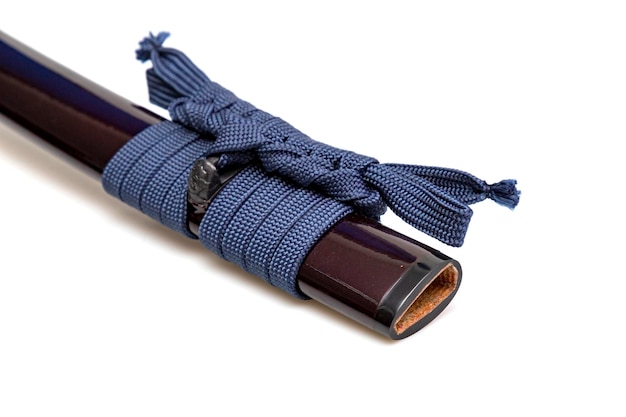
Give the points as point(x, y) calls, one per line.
point(150, 172)
point(262, 223)
point(268, 226)
point(292, 189)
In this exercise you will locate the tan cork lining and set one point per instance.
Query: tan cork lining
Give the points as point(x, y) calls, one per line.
point(434, 294)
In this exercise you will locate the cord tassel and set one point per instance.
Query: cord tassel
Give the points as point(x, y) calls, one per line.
point(504, 193)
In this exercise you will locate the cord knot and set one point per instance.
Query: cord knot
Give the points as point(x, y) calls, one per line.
point(431, 199)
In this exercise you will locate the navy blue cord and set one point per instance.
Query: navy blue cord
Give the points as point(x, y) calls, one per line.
point(267, 226)
point(294, 189)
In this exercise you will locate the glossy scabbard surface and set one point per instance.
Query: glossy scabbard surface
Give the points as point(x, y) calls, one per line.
point(77, 116)
point(378, 277)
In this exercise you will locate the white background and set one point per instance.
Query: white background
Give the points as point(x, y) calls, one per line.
point(104, 312)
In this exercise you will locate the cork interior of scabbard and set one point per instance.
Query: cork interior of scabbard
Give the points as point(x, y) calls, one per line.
point(434, 294)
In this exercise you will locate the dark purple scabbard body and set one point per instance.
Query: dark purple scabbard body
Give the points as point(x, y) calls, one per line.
point(374, 275)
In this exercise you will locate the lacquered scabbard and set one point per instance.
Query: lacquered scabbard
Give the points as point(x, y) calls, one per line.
point(380, 278)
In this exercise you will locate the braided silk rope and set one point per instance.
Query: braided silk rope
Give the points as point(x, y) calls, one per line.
point(261, 223)
point(267, 226)
point(294, 189)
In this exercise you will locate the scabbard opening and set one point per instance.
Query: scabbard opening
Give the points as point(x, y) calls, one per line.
point(439, 289)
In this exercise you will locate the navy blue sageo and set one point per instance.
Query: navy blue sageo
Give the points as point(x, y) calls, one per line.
point(292, 190)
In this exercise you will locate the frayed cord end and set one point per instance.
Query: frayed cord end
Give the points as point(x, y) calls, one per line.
point(150, 43)
point(504, 193)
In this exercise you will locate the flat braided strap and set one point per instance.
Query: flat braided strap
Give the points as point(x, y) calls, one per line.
point(433, 200)
point(262, 223)
point(269, 216)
